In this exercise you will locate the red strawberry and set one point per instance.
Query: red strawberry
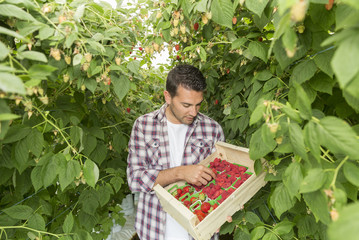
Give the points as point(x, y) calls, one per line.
point(205, 207)
point(187, 203)
point(201, 215)
point(196, 26)
point(193, 199)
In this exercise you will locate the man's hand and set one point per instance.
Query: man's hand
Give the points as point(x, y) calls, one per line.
point(197, 174)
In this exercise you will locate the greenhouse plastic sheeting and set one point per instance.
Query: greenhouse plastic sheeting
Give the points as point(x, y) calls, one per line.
point(127, 231)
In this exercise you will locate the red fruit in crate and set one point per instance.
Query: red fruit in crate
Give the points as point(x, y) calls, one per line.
point(242, 169)
point(205, 207)
point(201, 215)
point(187, 203)
point(193, 199)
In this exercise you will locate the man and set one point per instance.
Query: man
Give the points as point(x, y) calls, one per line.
point(165, 147)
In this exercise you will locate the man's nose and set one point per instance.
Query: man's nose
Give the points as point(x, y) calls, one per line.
point(194, 111)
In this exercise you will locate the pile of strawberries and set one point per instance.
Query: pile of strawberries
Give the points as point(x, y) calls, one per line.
point(228, 177)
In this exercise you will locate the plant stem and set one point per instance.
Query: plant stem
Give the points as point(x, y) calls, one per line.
point(337, 171)
point(31, 229)
point(58, 129)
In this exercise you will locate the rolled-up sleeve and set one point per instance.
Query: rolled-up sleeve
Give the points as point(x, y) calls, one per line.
point(140, 176)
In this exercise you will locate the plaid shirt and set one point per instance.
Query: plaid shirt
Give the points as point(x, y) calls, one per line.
point(149, 154)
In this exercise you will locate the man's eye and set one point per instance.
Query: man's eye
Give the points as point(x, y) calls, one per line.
point(186, 106)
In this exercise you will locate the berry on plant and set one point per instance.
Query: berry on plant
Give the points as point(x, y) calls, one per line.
point(196, 26)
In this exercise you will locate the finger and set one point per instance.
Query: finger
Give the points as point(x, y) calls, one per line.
point(207, 176)
point(210, 172)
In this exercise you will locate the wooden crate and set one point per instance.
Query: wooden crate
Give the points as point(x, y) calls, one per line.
point(207, 227)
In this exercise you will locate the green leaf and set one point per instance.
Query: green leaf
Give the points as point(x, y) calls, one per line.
point(11, 83)
point(321, 82)
point(89, 144)
point(10, 10)
point(76, 134)
point(257, 113)
point(303, 72)
point(291, 113)
point(8, 116)
point(347, 224)
point(270, 236)
point(105, 192)
point(270, 84)
point(89, 199)
point(323, 60)
point(306, 226)
point(4, 51)
point(21, 212)
point(117, 183)
point(263, 75)
point(283, 227)
point(297, 140)
point(346, 60)
point(292, 178)
point(21, 155)
point(258, 50)
point(336, 135)
point(290, 39)
point(252, 218)
point(36, 178)
point(257, 149)
point(239, 234)
point(222, 12)
point(68, 175)
point(77, 59)
point(236, 44)
point(256, 6)
point(33, 55)
point(352, 3)
point(51, 169)
point(12, 33)
point(35, 142)
point(303, 102)
point(317, 203)
point(313, 181)
point(91, 172)
point(38, 71)
point(46, 32)
point(121, 86)
point(134, 66)
point(281, 200)
point(257, 232)
point(351, 173)
point(90, 84)
point(311, 139)
point(80, 10)
point(68, 223)
point(100, 153)
point(36, 222)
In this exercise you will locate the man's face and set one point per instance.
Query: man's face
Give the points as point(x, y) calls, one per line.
point(184, 107)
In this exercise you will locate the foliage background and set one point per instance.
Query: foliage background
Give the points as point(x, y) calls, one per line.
point(283, 80)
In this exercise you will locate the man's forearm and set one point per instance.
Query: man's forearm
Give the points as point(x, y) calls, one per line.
point(168, 176)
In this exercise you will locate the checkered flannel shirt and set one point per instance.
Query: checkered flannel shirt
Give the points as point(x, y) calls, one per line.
point(149, 153)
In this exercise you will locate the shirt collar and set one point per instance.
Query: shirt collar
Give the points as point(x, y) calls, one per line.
point(161, 115)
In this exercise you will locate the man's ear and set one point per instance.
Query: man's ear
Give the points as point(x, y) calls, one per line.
point(168, 97)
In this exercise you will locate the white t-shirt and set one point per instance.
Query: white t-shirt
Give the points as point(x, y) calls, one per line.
point(176, 135)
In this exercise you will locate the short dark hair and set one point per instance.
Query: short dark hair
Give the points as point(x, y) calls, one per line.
point(186, 76)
